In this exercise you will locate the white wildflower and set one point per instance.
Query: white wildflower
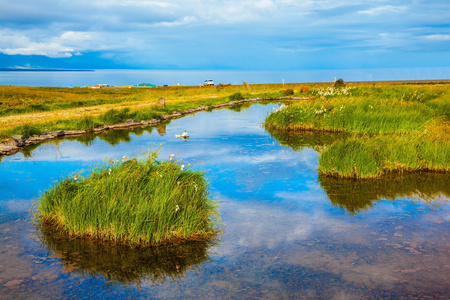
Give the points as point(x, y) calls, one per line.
point(171, 157)
point(109, 172)
point(177, 208)
point(182, 167)
point(124, 158)
point(279, 108)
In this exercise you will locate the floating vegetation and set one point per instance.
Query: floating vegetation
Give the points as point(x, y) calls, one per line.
point(135, 202)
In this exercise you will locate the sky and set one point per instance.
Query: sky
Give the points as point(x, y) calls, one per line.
point(224, 34)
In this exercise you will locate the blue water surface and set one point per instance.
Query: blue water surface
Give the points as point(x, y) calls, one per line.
point(123, 77)
point(287, 233)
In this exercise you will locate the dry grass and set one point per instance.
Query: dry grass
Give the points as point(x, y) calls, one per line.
point(68, 103)
point(42, 105)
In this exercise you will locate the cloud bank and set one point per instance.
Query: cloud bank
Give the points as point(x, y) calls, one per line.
point(247, 34)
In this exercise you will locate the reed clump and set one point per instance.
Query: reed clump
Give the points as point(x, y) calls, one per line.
point(394, 129)
point(357, 115)
point(135, 202)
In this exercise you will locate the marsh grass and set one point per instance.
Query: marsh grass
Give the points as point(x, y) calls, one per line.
point(353, 115)
point(395, 129)
point(28, 130)
point(136, 202)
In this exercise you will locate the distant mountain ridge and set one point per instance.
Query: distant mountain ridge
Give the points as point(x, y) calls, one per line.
point(47, 70)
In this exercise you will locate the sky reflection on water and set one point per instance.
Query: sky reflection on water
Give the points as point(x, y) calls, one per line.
point(288, 233)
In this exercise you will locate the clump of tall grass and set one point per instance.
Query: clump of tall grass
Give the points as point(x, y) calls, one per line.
point(235, 96)
point(137, 202)
point(27, 130)
point(352, 115)
point(114, 116)
point(366, 157)
point(86, 123)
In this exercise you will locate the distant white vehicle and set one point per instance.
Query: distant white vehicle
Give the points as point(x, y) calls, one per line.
point(208, 82)
point(99, 86)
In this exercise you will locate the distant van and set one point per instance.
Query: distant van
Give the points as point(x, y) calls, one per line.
point(208, 82)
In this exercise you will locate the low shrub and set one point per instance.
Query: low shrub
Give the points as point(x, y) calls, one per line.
point(114, 116)
point(235, 96)
point(86, 123)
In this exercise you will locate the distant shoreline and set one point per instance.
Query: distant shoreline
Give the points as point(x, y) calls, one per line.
point(44, 70)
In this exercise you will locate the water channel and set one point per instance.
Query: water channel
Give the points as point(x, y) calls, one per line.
point(287, 232)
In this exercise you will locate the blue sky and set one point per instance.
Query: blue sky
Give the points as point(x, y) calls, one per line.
point(225, 34)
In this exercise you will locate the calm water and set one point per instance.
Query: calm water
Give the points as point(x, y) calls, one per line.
point(161, 77)
point(288, 233)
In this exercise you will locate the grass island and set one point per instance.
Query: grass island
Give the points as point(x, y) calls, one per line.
point(135, 202)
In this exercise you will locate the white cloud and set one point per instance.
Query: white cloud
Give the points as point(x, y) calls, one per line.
point(382, 10)
point(438, 37)
point(73, 36)
point(202, 34)
point(67, 44)
point(182, 22)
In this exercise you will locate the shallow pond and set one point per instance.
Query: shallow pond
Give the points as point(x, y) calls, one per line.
point(287, 233)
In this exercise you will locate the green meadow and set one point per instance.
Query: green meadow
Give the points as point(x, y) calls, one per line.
point(32, 110)
point(394, 128)
point(134, 202)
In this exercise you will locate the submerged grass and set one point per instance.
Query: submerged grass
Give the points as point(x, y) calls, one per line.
point(136, 202)
point(395, 129)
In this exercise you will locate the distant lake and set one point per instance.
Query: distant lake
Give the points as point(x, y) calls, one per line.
point(173, 77)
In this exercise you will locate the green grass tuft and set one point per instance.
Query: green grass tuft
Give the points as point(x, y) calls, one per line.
point(27, 130)
point(138, 202)
point(235, 96)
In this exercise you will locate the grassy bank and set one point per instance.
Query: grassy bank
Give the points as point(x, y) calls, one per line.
point(395, 128)
point(376, 110)
point(137, 202)
point(48, 108)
